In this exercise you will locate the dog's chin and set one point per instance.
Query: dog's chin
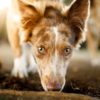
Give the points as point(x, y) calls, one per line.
point(51, 89)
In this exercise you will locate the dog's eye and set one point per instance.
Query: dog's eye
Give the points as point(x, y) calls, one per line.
point(41, 50)
point(67, 51)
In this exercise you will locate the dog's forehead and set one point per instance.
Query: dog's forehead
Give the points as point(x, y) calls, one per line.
point(61, 34)
point(53, 34)
point(54, 15)
point(52, 12)
point(52, 27)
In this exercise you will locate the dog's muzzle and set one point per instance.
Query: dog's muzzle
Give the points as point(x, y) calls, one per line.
point(52, 84)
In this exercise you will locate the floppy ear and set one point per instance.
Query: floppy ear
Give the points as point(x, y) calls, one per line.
point(77, 16)
point(29, 17)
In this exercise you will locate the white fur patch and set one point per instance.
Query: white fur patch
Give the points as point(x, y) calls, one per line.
point(58, 65)
point(63, 69)
point(32, 64)
point(55, 30)
point(55, 57)
point(20, 69)
point(25, 63)
point(54, 64)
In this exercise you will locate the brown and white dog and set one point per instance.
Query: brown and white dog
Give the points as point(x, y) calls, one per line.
point(52, 30)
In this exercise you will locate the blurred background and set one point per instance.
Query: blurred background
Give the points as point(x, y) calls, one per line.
point(89, 51)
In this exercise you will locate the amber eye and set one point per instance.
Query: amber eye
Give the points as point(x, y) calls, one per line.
point(41, 49)
point(67, 51)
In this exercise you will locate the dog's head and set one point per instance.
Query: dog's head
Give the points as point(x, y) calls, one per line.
point(54, 30)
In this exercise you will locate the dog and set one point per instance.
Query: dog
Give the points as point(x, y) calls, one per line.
point(43, 35)
point(93, 33)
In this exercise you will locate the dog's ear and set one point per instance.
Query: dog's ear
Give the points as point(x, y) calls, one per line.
point(29, 17)
point(77, 16)
point(28, 13)
point(31, 6)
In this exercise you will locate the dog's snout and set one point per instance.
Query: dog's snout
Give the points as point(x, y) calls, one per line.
point(54, 86)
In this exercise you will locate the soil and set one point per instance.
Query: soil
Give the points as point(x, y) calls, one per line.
point(15, 83)
point(90, 88)
point(19, 95)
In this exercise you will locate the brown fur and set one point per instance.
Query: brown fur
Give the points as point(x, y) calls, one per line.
point(53, 33)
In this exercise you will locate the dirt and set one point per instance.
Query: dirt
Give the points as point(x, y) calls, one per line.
point(73, 85)
point(15, 83)
point(19, 95)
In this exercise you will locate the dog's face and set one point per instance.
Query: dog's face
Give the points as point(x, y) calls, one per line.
point(52, 51)
point(53, 36)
